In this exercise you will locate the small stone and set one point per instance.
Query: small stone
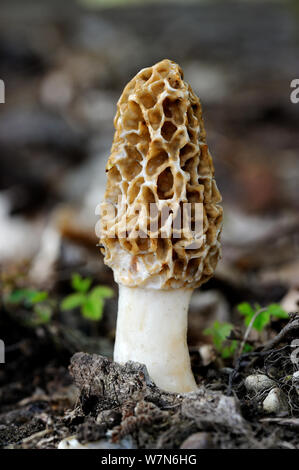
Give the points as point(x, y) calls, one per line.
point(258, 383)
point(207, 354)
point(72, 442)
point(275, 402)
point(109, 417)
point(199, 440)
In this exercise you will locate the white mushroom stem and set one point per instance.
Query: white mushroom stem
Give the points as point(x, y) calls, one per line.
point(152, 330)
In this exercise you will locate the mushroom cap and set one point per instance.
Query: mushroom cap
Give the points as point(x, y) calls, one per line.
point(160, 159)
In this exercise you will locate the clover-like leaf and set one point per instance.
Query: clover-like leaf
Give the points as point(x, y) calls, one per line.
point(245, 309)
point(72, 301)
point(219, 332)
point(262, 320)
point(93, 308)
point(28, 296)
point(102, 292)
point(80, 284)
point(277, 311)
point(17, 296)
point(38, 297)
point(248, 311)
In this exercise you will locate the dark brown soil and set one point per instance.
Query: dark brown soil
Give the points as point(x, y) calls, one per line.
point(98, 400)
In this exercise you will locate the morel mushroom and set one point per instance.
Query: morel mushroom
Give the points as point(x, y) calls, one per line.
point(159, 158)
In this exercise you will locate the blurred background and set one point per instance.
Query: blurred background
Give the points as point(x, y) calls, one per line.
point(64, 65)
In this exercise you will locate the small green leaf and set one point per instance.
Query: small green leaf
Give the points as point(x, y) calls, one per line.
point(245, 309)
point(102, 292)
point(39, 297)
point(261, 321)
point(79, 283)
point(93, 308)
point(219, 332)
point(73, 301)
point(264, 318)
point(29, 296)
point(277, 311)
point(17, 296)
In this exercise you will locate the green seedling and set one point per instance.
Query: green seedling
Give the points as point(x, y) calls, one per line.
point(263, 315)
point(35, 301)
point(90, 301)
point(219, 333)
point(258, 316)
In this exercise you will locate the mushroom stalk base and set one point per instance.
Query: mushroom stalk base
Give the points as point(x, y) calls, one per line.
point(152, 330)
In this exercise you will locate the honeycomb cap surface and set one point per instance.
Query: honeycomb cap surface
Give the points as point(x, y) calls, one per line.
point(159, 155)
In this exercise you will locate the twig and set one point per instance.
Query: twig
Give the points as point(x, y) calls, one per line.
point(247, 332)
point(290, 422)
point(289, 328)
point(36, 435)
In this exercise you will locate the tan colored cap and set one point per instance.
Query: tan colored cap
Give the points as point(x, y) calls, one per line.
point(160, 156)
